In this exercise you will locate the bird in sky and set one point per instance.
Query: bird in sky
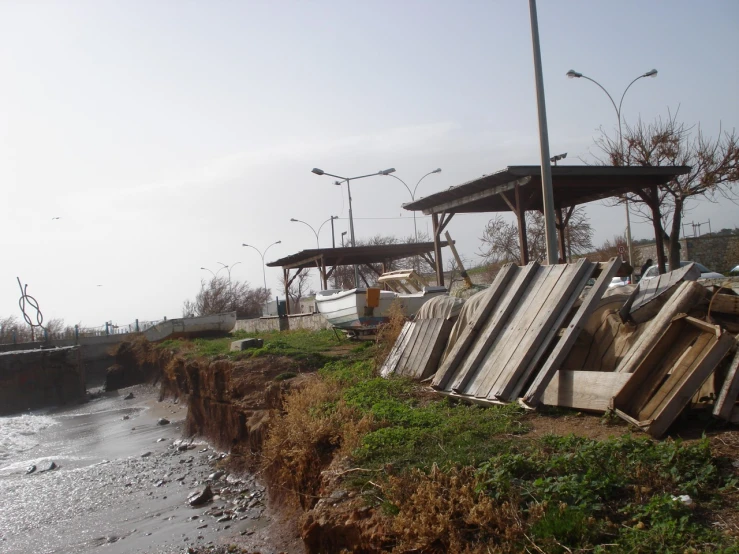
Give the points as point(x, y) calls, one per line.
point(53, 218)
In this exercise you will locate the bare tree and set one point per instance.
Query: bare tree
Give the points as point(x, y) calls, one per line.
point(219, 295)
point(297, 290)
point(500, 242)
point(714, 171)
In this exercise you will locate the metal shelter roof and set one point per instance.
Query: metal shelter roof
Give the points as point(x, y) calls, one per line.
point(572, 185)
point(353, 255)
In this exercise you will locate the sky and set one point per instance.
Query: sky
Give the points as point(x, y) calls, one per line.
point(165, 134)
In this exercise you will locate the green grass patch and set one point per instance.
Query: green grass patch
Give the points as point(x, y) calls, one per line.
point(313, 348)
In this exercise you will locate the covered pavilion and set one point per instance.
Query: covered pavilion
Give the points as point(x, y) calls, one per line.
point(518, 189)
point(326, 260)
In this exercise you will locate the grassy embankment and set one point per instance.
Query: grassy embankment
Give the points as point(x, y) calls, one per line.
point(450, 477)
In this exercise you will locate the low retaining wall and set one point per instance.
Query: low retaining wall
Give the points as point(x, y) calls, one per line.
point(312, 322)
point(32, 379)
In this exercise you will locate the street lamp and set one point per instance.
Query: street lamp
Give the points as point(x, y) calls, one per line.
point(262, 254)
point(413, 194)
point(317, 233)
point(309, 225)
point(213, 274)
point(572, 74)
point(349, 190)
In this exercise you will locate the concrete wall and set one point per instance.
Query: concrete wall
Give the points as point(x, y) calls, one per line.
point(32, 379)
point(716, 253)
point(312, 322)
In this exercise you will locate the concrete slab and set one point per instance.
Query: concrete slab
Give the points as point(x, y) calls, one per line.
point(245, 344)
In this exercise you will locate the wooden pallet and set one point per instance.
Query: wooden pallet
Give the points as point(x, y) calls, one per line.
point(673, 370)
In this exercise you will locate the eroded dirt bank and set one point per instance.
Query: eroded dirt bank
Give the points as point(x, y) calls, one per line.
point(361, 464)
point(230, 404)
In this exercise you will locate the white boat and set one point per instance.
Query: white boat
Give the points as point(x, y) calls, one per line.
point(363, 309)
point(202, 326)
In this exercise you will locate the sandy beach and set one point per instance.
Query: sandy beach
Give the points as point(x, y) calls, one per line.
point(121, 482)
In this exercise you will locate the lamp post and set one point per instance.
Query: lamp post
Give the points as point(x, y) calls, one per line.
point(262, 254)
point(413, 194)
point(349, 190)
point(572, 74)
point(342, 238)
point(547, 193)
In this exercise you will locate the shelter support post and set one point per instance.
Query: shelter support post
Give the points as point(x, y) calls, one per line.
point(437, 251)
point(285, 279)
point(439, 226)
point(519, 209)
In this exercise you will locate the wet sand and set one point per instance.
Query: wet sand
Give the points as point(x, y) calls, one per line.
point(122, 485)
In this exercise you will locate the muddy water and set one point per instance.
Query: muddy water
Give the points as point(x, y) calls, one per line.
point(121, 484)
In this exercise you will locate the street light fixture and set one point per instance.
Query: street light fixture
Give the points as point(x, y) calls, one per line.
point(413, 193)
point(310, 226)
point(214, 274)
point(262, 254)
point(349, 190)
point(572, 74)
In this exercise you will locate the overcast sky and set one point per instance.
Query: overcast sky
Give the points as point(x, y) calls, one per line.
point(164, 134)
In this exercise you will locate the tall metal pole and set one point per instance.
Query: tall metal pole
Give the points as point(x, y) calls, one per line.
point(546, 168)
point(333, 237)
point(351, 231)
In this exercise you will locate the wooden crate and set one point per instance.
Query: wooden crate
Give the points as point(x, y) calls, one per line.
point(675, 367)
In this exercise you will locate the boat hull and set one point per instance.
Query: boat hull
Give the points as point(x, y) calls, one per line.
point(348, 309)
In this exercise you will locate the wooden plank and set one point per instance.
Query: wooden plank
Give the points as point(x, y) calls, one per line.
point(545, 329)
point(687, 296)
point(725, 304)
point(666, 285)
point(552, 331)
point(467, 337)
point(729, 391)
point(423, 347)
point(393, 357)
point(436, 343)
point(442, 337)
point(420, 330)
point(584, 390)
point(493, 326)
point(684, 391)
point(651, 371)
point(491, 360)
point(409, 349)
point(526, 331)
point(623, 313)
point(565, 343)
point(687, 362)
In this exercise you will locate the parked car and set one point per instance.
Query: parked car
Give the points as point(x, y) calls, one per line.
point(706, 273)
point(619, 282)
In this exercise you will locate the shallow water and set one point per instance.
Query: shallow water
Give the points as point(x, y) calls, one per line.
point(105, 496)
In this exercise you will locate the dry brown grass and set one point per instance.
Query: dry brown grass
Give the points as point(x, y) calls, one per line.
point(442, 512)
point(316, 426)
point(388, 332)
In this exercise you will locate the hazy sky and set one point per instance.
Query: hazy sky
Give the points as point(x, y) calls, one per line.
point(167, 133)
